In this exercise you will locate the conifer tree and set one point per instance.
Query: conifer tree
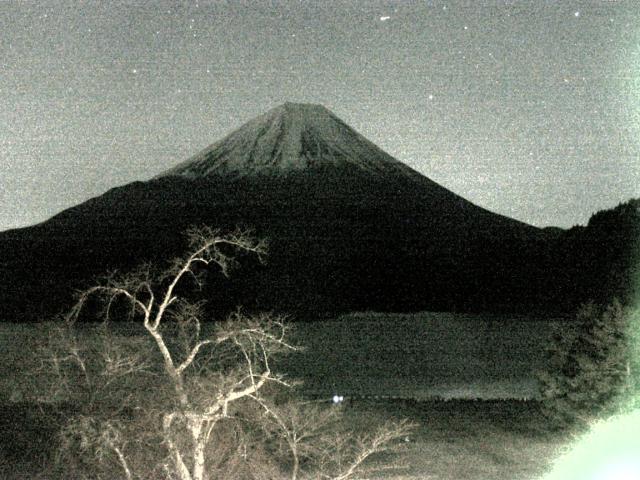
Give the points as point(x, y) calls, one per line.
point(590, 366)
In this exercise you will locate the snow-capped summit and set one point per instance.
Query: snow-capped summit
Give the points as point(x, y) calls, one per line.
point(290, 137)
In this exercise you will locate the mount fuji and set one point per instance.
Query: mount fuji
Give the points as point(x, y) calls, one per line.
point(350, 228)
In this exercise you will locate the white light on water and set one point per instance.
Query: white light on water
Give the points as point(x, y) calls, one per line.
point(338, 399)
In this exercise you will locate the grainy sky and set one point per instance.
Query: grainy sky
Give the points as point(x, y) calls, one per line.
point(527, 108)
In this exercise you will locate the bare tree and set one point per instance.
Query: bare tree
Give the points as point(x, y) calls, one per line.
point(318, 444)
point(177, 401)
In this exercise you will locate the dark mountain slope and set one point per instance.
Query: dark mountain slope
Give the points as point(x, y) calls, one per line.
point(601, 260)
point(369, 246)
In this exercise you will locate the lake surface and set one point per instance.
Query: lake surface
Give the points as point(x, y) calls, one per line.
point(418, 356)
point(422, 355)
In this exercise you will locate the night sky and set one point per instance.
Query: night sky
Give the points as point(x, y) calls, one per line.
point(530, 109)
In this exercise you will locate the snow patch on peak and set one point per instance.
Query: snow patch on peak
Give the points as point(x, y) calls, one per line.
point(290, 137)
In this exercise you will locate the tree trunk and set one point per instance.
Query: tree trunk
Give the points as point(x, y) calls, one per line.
point(296, 466)
point(199, 441)
point(180, 467)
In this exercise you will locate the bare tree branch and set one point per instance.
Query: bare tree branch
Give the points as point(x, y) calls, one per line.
point(192, 355)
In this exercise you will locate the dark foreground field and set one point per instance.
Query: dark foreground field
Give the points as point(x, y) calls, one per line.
point(466, 439)
point(456, 439)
